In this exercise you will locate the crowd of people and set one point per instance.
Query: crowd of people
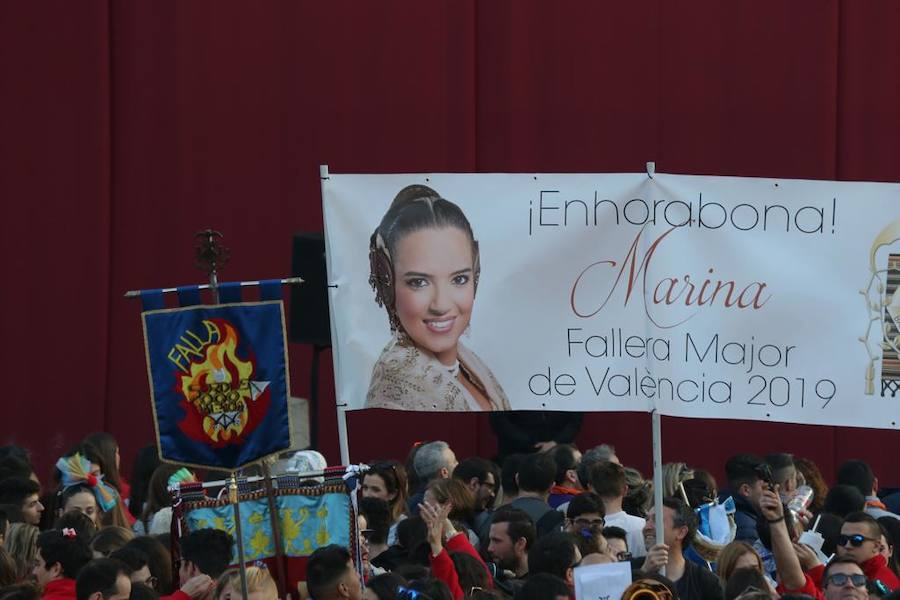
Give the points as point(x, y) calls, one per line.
point(90, 534)
point(434, 528)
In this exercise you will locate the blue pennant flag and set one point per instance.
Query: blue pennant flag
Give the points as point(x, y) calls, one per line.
point(218, 382)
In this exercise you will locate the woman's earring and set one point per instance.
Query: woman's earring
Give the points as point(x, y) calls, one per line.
point(402, 337)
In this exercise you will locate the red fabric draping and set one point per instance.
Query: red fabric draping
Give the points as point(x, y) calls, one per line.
point(128, 126)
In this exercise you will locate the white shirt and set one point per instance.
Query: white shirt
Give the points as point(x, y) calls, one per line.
point(634, 529)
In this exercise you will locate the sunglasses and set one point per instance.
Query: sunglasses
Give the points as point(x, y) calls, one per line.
point(855, 540)
point(839, 579)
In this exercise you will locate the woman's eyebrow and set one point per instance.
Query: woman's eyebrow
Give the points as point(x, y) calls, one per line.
point(427, 275)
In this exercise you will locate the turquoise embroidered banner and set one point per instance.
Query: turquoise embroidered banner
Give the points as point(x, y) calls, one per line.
point(306, 523)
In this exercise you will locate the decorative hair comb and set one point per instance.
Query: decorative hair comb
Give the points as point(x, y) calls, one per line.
point(76, 470)
point(69, 533)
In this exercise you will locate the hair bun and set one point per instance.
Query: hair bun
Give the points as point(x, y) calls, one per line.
point(411, 193)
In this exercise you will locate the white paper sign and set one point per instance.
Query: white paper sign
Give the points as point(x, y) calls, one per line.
point(602, 582)
point(713, 297)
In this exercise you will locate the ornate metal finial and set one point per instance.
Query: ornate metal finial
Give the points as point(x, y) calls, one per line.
point(211, 256)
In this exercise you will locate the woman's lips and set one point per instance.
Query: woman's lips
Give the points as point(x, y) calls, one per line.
point(442, 325)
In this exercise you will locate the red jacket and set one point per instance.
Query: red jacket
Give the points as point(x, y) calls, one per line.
point(60, 589)
point(874, 568)
point(443, 569)
point(809, 588)
point(442, 565)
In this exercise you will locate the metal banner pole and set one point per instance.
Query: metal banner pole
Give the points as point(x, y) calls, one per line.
point(324, 176)
point(205, 286)
point(342, 434)
point(658, 479)
point(238, 531)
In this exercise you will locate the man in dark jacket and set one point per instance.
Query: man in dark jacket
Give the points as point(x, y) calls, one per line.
point(745, 487)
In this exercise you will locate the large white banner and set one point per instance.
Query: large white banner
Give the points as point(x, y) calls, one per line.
point(714, 297)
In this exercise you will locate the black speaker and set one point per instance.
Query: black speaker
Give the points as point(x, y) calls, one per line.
point(310, 321)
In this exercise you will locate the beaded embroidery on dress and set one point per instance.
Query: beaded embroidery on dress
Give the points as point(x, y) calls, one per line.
point(408, 378)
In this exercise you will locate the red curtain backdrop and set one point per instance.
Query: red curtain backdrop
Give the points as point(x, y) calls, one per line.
point(128, 126)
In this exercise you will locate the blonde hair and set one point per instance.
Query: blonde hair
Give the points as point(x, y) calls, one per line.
point(21, 543)
point(258, 580)
point(729, 556)
point(674, 474)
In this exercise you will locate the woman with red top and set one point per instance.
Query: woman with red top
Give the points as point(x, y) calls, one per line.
point(440, 532)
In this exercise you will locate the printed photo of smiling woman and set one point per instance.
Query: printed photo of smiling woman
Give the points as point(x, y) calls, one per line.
point(425, 266)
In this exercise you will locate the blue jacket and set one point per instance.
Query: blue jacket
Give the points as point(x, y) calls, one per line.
point(745, 517)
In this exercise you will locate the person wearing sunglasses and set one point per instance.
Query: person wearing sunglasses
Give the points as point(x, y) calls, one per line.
point(860, 541)
point(842, 579)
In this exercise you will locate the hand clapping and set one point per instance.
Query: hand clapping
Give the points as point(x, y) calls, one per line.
point(435, 517)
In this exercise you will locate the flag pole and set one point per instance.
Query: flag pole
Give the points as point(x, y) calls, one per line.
point(238, 531)
point(210, 257)
point(130, 294)
point(658, 480)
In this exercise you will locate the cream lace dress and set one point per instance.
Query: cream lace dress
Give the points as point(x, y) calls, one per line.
point(409, 378)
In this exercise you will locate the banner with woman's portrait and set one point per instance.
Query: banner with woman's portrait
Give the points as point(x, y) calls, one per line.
point(715, 297)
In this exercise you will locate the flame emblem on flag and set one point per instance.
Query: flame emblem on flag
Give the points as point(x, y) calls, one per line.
point(223, 401)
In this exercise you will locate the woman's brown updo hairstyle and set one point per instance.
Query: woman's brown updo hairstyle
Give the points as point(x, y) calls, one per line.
point(416, 207)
